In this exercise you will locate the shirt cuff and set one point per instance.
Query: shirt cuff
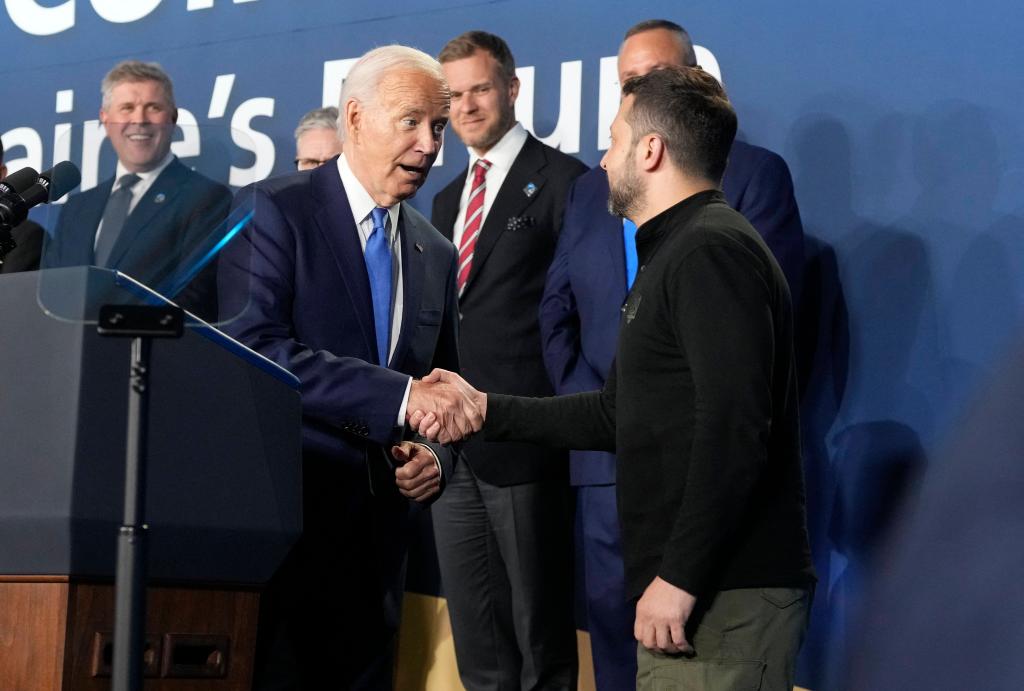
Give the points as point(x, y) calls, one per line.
point(405, 404)
point(437, 461)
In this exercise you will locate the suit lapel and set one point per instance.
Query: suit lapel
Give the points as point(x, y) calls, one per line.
point(608, 229)
point(413, 268)
point(82, 239)
point(447, 206)
point(338, 229)
point(510, 201)
point(158, 198)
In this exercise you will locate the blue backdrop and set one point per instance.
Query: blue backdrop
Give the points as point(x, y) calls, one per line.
point(901, 122)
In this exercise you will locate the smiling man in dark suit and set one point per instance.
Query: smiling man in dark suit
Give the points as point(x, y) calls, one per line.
point(155, 212)
point(344, 284)
point(503, 525)
point(594, 265)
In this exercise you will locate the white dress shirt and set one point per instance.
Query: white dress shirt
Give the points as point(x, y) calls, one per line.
point(502, 155)
point(146, 181)
point(361, 203)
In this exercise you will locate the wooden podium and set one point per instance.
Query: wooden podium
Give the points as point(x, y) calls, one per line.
point(223, 492)
point(196, 638)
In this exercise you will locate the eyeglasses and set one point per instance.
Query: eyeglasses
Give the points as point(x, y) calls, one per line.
point(309, 163)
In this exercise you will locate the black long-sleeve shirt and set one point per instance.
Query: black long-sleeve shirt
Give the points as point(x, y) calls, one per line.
point(700, 408)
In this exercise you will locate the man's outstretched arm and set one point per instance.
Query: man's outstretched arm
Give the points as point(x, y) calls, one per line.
point(576, 421)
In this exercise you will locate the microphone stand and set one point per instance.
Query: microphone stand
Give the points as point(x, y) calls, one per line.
point(141, 323)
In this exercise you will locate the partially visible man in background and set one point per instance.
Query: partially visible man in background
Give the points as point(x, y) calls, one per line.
point(316, 138)
point(593, 268)
point(28, 237)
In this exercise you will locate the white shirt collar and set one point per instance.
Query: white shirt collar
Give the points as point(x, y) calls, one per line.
point(359, 200)
point(147, 178)
point(503, 154)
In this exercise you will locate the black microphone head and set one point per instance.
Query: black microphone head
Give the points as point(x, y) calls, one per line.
point(59, 180)
point(38, 193)
point(19, 181)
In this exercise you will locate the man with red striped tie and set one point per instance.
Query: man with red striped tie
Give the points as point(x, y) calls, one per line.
point(503, 525)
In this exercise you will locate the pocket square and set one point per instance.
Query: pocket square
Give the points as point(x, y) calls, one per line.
point(519, 222)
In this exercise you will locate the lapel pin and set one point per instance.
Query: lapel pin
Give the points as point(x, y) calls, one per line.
point(530, 189)
point(419, 247)
point(160, 198)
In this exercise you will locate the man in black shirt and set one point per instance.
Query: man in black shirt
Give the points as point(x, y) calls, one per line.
point(700, 406)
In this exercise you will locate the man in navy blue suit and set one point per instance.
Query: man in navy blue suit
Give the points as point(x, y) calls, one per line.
point(153, 214)
point(579, 317)
point(352, 290)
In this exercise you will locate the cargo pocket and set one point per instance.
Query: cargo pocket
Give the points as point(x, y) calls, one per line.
point(705, 675)
point(783, 597)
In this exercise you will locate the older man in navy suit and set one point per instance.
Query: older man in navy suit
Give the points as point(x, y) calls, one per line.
point(594, 264)
point(351, 289)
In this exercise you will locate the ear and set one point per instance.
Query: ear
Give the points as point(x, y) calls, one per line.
point(513, 89)
point(103, 116)
point(652, 153)
point(353, 119)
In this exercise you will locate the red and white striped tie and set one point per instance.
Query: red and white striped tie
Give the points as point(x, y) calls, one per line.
point(474, 220)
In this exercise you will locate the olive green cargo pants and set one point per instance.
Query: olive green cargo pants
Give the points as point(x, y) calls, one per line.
point(746, 640)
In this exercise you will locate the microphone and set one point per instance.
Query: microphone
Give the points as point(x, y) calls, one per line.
point(53, 184)
point(18, 182)
point(49, 185)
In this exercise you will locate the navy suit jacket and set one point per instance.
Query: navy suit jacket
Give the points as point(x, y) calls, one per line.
point(586, 284)
point(297, 280)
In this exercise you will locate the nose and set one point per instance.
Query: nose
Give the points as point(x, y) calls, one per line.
point(428, 141)
point(467, 104)
point(604, 162)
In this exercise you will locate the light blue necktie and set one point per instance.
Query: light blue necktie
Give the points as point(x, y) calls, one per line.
point(378, 267)
point(629, 241)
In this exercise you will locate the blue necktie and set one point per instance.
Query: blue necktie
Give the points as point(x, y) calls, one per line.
point(378, 267)
point(629, 240)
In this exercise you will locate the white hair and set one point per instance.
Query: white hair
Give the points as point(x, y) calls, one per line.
point(366, 75)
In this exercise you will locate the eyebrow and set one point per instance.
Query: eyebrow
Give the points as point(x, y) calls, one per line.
point(488, 82)
point(407, 110)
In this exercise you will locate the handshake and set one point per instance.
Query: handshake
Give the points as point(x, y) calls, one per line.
point(444, 408)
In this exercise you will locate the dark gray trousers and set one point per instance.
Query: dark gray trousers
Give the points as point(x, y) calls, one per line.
point(505, 555)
